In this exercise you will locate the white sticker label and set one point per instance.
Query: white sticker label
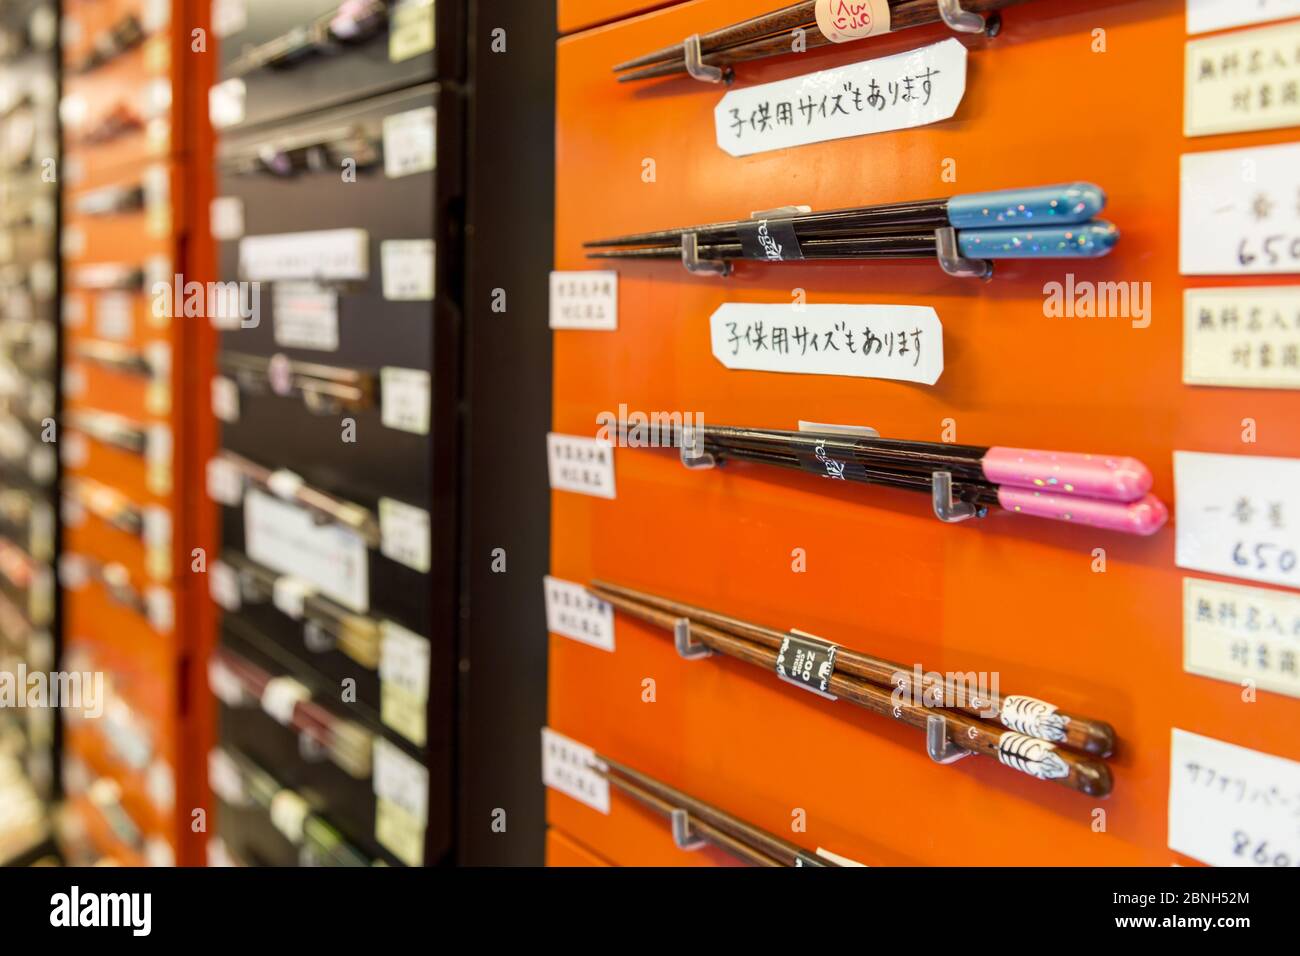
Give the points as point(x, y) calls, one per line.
point(225, 399)
point(223, 586)
point(411, 29)
point(226, 103)
point(306, 316)
point(229, 16)
point(401, 780)
point(910, 89)
point(573, 612)
point(410, 144)
point(289, 813)
point(289, 595)
point(1206, 15)
point(404, 658)
point(225, 779)
point(226, 218)
point(1238, 515)
point(1239, 211)
point(328, 255)
point(571, 768)
point(584, 300)
point(842, 21)
point(285, 538)
point(408, 269)
point(225, 484)
point(1242, 634)
point(160, 609)
point(899, 342)
point(404, 534)
point(1242, 337)
point(582, 465)
point(1230, 806)
point(405, 399)
point(281, 697)
point(114, 319)
point(1242, 81)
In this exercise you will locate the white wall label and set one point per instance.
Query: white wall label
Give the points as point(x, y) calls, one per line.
point(407, 266)
point(573, 612)
point(285, 538)
point(226, 218)
point(1246, 337)
point(582, 465)
point(899, 342)
point(229, 16)
point(410, 142)
point(1237, 633)
point(411, 29)
point(306, 316)
point(584, 300)
point(226, 103)
point(225, 399)
point(1206, 15)
point(401, 809)
point(404, 661)
point(909, 89)
point(571, 768)
point(1230, 806)
point(1238, 515)
point(1239, 214)
point(331, 254)
point(404, 534)
point(1242, 81)
point(405, 399)
point(223, 586)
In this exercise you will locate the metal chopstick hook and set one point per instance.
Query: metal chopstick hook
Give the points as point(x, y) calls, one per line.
point(953, 262)
point(946, 508)
point(966, 21)
point(688, 648)
point(694, 264)
point(700, 70)
point(692, 450)
point(683, 837)
point(938, 744)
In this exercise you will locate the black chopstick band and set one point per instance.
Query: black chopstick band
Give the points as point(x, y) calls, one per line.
point(771, 239)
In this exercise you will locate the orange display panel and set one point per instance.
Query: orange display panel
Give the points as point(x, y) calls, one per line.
point(563, 850)
point(1007, 594)
point(581, 14)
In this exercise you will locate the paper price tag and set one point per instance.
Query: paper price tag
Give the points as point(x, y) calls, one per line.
point(287, 539)
point(410, 142)
point(399, 832)
point(223, 586)
point(229, 16)
point(411, 29)
point(1242, 81)
point(306, 316)
point(1242, 337)
point(1242, 634)
point(225, 484)
point(584, 300)
point(407, 266)
point(341, 255)
point(575, 613)
point(404, 658)
point(571, 768)
point(226, 103)
point(581, 465)
point(404, 534)
point(225, 399)
point(401, 780)
point(405, 399)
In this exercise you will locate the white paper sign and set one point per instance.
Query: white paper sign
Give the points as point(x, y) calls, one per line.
point(1239, 211)
point(1242, 81)
point(404, 534)
point(1236, 633)
point(404, 659)
point(570, 768)
point(285, 538)
point(573, 612)
point(1242, 336)
point(226, 103)
point(331, 254)
point(306, 316)
point(899, 342)
point(229, 16)
point(910, 89)
point(225, 399)
point(407, 269)
point(1206, 15)
point(223, 586)
point(405, 399)
point(1230, 806)
point(584, 300)
point(410, 142)
point(401, 780)
point(582, 465)
point(226, 217)
point(1238, 515)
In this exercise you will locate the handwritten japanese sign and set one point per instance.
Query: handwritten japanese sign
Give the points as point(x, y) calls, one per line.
point(584, 300)
point(1230, 806)
point(1242, 337)
point(571, 768)
point(1241, 211)
point(1238, 515)
point(582, 465)
point(895, 92)
point(899, 342)
point(1235, 633)
point(573, 612)
point(1206, 15)
point(1241, 81)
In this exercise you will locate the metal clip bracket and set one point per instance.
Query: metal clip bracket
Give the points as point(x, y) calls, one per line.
point(700, 70)
point(966, 21)
point(683, 837)
point(946, 508)
point(692, 450)
point(695, 265)
point(953, 262)
point(688, 648)
point(938, 744)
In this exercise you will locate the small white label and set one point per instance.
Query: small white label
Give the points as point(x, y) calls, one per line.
point(1230, 806)
point(573, 612)
point(909, 89)
point(581, 465)
point(401, 780)
point(1242, 81)
point(223, 586)
point(405, 399)
point(287, 539)
point(229, 16)
point(226, 218)
point(225, 484)
point(1242, 634)
point(899, 342)
point(407, 266)
point(225, 684)
point(411, 29)
point(1238, 515)
point(225, 779)
point(160, 608)
point(289, 595)
point(584, 300)
point(1239, 211)
point(572, 769)
point(1242, 337)
point(410, 144)
point(114, 319)
point(306, 316)
point(1206, 15)
point(72, 245)
point(331, 254)
point(843, 21)
point(226, 103)
point(289, 814)
point(225, 399)
point(404, 534)
point(404, 658)
point(281, 697)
